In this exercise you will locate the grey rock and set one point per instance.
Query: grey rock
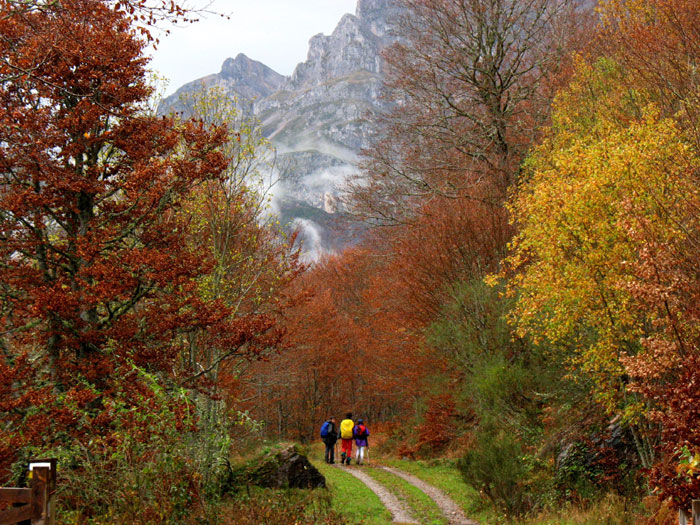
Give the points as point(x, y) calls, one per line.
point(295, 165)
point(287, 468)
point(250, 78)
point(241, 78)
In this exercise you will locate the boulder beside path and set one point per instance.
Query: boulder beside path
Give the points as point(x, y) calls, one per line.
point(284, 468)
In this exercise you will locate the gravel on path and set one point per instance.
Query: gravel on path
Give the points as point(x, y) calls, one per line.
point(447, 505)
point(399, 512)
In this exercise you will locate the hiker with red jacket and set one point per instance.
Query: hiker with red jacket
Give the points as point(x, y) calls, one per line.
point(361, 433)
point(346, 434)
point(329, 435)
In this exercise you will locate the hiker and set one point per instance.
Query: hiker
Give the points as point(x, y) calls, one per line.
point(361, 433)
point(346, 427)
point(329, 434)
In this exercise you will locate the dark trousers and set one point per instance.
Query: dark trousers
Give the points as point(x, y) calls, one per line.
point(330, 452)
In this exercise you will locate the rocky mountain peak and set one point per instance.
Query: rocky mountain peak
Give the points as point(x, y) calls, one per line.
point(378, 17)
point(252, 78)
point(241, 77)
point(239, 66)
point(366, 7)
point(353, 46)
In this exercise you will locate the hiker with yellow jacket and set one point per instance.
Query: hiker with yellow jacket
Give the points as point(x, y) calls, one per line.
point(346, 435)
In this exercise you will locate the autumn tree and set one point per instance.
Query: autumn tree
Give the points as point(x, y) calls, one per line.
point(99, 277)
point(607, 228)
point(346, 349)
point(658, 42)
point(470, 81)
point(228, 220)
point(365, 316)
point(449, 242)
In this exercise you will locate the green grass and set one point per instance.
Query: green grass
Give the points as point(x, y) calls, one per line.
point(352, 498)
point(609, 510)
point(256, 505)
point(358, 504)
point(423, 507)
point(444, 475)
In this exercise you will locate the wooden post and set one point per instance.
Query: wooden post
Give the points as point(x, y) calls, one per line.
point(696, 512)
point(36, 503)
point(40, 477)
point(682, 517)
point(43, 490)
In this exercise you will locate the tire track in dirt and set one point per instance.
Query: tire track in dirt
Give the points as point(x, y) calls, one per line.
point(399, 512)
point(446, 504)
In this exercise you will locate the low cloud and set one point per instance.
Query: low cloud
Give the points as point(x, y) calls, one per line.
point(311, 237)
point(309, 188)
point(320, 146)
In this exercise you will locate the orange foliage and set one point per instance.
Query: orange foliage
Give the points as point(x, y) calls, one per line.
point(659, 42)
point(438, 427)
point(343, 355)
point(356, 342)
point(452, 240)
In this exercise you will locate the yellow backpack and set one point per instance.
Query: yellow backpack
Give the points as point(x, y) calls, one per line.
point(346, 426)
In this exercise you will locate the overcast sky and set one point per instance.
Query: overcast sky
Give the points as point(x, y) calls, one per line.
point(275, 32)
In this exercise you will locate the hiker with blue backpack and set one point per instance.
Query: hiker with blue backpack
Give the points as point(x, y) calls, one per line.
point(329, 435)
point(361, 433)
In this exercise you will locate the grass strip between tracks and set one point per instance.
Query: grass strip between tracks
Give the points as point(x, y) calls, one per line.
point(444, 475)
point(423, 507)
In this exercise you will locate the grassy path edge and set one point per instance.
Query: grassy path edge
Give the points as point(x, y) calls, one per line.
point(424, 508)
point(352, 498)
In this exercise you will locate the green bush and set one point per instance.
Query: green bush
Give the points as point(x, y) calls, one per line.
point(505, 381)
point(163, 458)
point(497, 469)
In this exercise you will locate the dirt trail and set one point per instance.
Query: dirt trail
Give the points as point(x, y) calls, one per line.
point(448, 507)
point(399, 512)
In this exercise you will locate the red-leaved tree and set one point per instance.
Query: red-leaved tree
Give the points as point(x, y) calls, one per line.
point(97, 275)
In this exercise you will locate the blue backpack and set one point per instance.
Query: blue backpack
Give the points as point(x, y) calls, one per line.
point(325, 428)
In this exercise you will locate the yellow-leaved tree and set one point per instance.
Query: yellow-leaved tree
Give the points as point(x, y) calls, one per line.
point(609, 166)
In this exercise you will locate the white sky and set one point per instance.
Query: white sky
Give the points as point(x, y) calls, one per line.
point(274, 32)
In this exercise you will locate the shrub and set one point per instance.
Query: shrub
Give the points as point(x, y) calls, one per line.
point(497, 469)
